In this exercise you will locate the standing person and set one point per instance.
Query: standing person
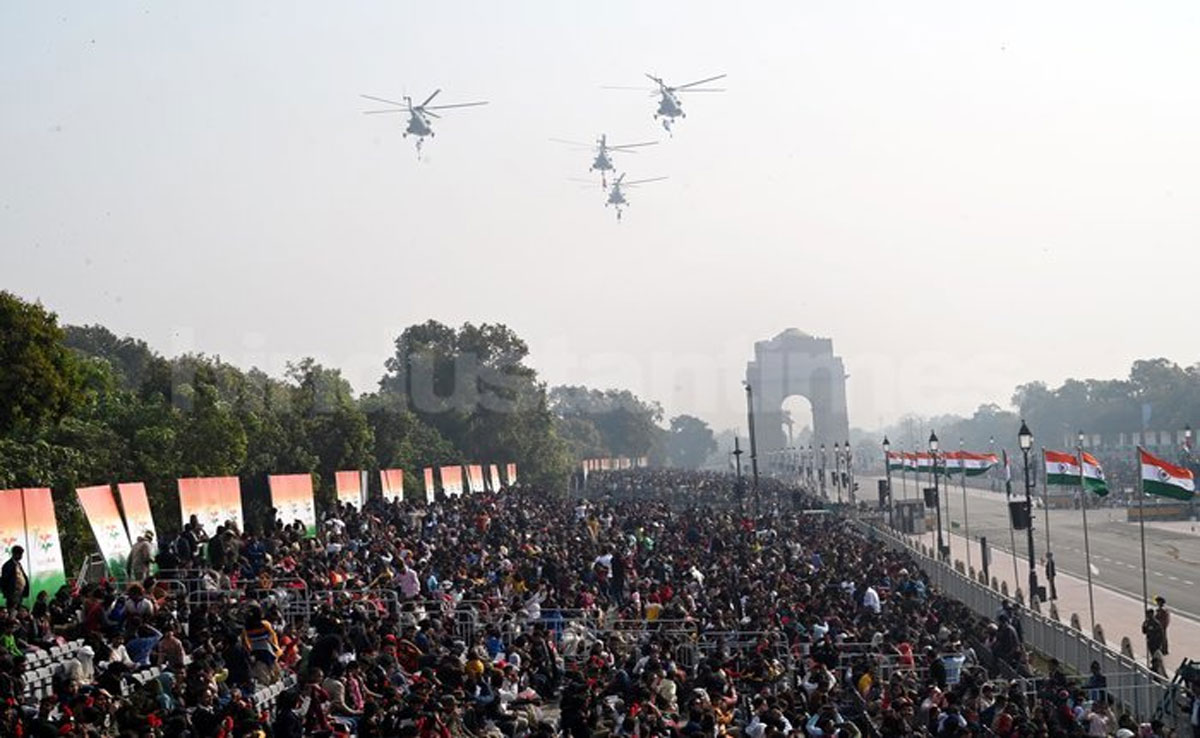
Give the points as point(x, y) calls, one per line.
point(1154, 640)
point(1051, 571)
point(1163, 616)
point(14, 582)
point(138, 565)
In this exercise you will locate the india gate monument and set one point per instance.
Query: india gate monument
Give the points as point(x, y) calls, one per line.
point(795, 363)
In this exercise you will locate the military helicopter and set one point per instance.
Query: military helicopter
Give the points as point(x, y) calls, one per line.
point(418, 115)
point(670, 106)
point(616, 197)
point(603, 153)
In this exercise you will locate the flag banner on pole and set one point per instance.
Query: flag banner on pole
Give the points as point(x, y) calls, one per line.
point(138, 519)
point(475, 478)
point(952, 462)
point(1061, 468)
point(102, 514)
point(1093, 475)
point(213, 500)
point(1163, 478)
point(494, 473)
point(976, 464)
point(391, 481)
point(349, 485)
point(292, 497)
point(895, 461)
point(43, 557)
point(12, 524)
point(643, 462)
point(452, 481)
point(924, 461)
point(910, 462)
point(510, 473)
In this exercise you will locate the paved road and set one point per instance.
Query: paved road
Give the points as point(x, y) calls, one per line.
point(1173, 557)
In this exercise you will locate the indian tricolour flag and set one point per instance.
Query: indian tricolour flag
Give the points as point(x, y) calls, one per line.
point(976, 464)
point(1164, 478)
point(952, 462)
point(924, 462)
point(895, 461)
point(1093, 475)
point(1061, 468)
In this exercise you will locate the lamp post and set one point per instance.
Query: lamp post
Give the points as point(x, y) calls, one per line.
point(1025, 440)
point(837, 469)
point(887, 468)
point(823, 470)
point(739, 488)
point(849, 479)
point(937, 495)
point(753, 445)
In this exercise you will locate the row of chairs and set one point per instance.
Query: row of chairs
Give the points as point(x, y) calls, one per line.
point(41, 665)
point(265, 698)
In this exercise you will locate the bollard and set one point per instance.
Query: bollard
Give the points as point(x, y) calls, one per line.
point(1098, 634)
point(1126, 647)
point(1004, 588)
point(1075, 624)
point(995, 583)
point(1054, 612)
point(971, 572)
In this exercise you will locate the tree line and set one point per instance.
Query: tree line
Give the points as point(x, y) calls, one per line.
point(80, 405)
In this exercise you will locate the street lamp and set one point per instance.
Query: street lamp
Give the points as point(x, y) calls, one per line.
point(887, 468)
point(937, 495)
point(837, 469)
point(753, 445)
point(823, 470)
point(739, 487)
point(1025, 440)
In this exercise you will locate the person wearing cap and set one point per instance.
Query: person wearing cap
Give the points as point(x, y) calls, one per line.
point(138, 564)
point(1163, 616)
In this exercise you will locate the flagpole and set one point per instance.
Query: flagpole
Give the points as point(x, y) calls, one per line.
point(1046, 504)
point(1142, 530)
point(1012, 535)
point(1087, 548)
point(962, 469)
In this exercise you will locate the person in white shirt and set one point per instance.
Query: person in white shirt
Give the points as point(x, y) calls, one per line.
point(871, 600)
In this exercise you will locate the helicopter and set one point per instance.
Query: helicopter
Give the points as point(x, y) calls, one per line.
point(616, 197)
point(670, 106)
point(604, 151)
point(418, 115)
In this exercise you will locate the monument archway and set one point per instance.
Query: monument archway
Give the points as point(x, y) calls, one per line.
point(795, 363)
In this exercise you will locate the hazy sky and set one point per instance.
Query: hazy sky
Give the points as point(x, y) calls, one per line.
point(964, 196)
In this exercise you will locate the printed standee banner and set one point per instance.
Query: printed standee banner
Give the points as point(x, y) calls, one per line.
point(475, 478)
point(452, 481)
point(105, 520)
point(430, 486)
point(510, 474)
point(138, 519)
point(392, 482)
point(44, 561)
point(292, 497)
point(494, 473)
point(213, 500)
point(12, 525)
point(350, 488)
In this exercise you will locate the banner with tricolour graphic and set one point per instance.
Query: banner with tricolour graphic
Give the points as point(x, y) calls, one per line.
point(430, 486)
point(213, 500)
point(102, 515)
point(475, 478)
point(44, 554)
point(494, 474)
point(12, 524)
point(392, 482)
point(510, 474)
point(452, 480)
point(292, 498)
point(138, 519)
point(350, 488)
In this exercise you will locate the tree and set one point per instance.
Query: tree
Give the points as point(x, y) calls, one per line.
point(626, 425)
point(689, 442)
point(40, 379)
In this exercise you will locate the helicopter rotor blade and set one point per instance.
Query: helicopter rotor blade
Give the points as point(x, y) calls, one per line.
point(704, 89)
point(430, 98)
point(644, 181)
point(376, 112)
point(455, 105)
point(625, 147)
point(423, 111)
point(577, 144)
point(656, 80)
point(384, 100)
point(700, 82)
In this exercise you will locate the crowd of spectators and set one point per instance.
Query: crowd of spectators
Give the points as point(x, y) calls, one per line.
point(526, 614)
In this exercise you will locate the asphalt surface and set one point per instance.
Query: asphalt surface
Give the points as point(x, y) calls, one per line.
point(1172, 558)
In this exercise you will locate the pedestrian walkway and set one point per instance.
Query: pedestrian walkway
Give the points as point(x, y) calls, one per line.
point(1119, 615)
